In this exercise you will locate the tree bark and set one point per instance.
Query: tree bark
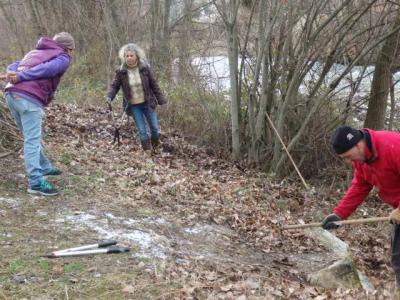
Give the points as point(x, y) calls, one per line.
point(229, 13)
point(235, 100)
point(376, 113)
point(38, 26)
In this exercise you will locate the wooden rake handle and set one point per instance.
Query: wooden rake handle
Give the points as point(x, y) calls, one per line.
point(345, 222)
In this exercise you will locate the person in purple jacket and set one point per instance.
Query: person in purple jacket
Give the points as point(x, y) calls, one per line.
point(32, 84)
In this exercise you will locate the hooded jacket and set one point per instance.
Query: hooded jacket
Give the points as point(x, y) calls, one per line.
point(40, 71)
point(381, 172)
point(151, 89)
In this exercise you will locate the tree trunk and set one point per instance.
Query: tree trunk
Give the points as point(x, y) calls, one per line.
point(37, 24)
point(154, 35)
point(235, 100)
point(183, 65)
point(229, 12)
point(165, 54)
point(392, 103)
point(380, 88)
point(13, 25)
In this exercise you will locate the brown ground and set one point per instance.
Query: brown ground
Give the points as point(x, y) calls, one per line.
point(198, 227)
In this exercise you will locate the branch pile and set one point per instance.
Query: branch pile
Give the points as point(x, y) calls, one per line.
point(9, 138)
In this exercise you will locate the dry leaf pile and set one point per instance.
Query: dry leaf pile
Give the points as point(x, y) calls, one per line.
point(182, 181)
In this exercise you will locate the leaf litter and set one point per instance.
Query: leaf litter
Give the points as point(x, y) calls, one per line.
point(217, 227)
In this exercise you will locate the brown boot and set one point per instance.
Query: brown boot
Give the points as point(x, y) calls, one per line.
point(146, 145)
point(155, 142)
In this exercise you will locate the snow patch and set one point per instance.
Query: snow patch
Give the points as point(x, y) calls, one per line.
point(150, 244)
point(12, 203)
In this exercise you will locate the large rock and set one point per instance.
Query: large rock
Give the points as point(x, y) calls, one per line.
point(342, 273)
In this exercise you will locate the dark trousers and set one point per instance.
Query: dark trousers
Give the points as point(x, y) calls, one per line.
point(396, 252)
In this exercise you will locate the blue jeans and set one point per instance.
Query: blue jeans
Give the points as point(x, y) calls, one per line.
point(140, 112)
point(28, 117)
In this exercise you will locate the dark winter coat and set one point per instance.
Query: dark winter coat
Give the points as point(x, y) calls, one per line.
point(151, 90)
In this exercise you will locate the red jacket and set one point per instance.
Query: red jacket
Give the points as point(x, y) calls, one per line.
point(383, 173)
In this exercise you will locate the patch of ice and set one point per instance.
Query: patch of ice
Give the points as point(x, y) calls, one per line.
point(329, 240)
point(365, 282)
point(129, 221)
point(13, 203)
point(198, 228)
point(149, 243)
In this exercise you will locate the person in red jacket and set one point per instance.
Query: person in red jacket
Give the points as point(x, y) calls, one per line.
point(375, 156)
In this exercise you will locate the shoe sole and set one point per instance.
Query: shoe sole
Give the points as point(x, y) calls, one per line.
point(35, 192)
point(49, 176)
point(52, 175)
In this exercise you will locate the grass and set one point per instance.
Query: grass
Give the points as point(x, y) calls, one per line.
point(24, 274)
point(66, 158)
point(74, 268)
point(99, 277)
point(16, 265)
point(81, 91)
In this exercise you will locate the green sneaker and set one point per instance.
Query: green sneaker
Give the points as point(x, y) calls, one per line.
point(43, 187)
point(53, 172)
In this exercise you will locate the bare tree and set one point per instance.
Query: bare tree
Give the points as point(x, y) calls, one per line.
point(381, 82)
point(229, 11)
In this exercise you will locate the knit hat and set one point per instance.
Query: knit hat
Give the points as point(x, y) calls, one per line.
point(345, 138)
point(65, 40)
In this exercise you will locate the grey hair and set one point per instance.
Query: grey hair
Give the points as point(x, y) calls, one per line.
point(135, 49)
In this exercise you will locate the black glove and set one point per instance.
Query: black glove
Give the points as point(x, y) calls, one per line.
point(109, 101)
point(328, 222)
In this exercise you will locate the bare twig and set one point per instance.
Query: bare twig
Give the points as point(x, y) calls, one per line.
point(2, 155)
point(2, 295)
point(66, 292)
point(287, 152)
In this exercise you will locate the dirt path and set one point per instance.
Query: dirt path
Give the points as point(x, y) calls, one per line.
point(197, 227)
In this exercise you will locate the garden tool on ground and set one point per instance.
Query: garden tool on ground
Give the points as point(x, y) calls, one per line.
point(103, 247)
point(116, 124)
point(345, 222)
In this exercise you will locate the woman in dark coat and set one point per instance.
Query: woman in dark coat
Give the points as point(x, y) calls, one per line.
point(141, 93)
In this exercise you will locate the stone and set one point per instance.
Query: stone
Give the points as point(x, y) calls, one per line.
point(341, 274)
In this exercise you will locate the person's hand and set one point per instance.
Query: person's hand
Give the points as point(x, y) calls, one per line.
point(394, 216)
point(329, 222)
point(108, 102)
point(12, 77)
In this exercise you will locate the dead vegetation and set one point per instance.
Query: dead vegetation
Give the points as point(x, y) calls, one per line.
point(9, 139)
point(185, 186)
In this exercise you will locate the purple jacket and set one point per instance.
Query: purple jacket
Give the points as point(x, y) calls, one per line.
point(40, 71)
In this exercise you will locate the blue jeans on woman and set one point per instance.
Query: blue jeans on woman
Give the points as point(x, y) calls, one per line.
point(28, 117)
point(140, 112)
